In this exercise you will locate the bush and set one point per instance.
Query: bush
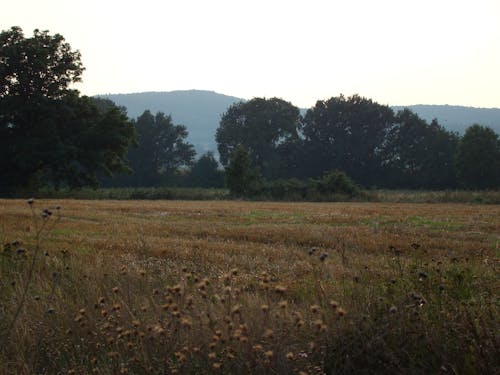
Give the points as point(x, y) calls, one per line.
point(336, 182)
point(241, 178)
point(335, 186)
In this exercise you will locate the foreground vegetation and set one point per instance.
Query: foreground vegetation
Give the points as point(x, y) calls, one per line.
point(172, 193)
point(244, 287)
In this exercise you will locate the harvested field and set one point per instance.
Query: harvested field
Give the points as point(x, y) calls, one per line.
point(249, 287)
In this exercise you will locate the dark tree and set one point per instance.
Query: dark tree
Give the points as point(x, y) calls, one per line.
point(241, 177)
point(42, 66)
point(49, 135)
point(206, 173)
point(162, 150)
point(264, 127)
point(478, 158)
point(347, 134)
point(87, 141)
point(419, 155)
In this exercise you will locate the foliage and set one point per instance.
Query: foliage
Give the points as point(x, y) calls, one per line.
point(337, 182)
point(334, 186)
point(49, 135)
point(162, 150)
point(418, 154)
point(478, 158)
point(137, 193)
point(264, 127)
point(347, 134)
point(39, 67)
point(241, 177)
point(206, 173)
point(430, 196)
point(285, 190)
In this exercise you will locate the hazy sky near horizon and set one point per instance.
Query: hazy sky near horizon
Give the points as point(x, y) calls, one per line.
point(397, 52)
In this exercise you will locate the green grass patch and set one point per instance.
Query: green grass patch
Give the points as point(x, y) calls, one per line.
point(419, 221)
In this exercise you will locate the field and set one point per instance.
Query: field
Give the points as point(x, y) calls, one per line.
point(165, 287)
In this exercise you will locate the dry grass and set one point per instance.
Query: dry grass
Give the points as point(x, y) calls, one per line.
point(230, 287)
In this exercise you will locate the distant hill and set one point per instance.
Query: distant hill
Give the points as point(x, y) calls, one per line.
point(457, 118)
point(200, 112)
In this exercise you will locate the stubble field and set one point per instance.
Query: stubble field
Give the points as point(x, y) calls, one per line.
point(247, 287)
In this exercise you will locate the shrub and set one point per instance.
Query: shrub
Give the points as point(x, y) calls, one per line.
point(336, 182)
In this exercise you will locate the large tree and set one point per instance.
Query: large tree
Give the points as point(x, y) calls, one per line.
point(478, 158)
point(347, 134)
point(49, 135)
point(162, 150)
point(264, 127)
point(418, 154)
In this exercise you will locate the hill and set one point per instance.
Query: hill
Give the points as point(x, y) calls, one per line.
point(457, 118)
point(200, 112)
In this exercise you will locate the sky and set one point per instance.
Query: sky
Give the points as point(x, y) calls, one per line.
point(396, 52)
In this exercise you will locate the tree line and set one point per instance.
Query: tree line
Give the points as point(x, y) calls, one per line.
point(372, 144)
point(52, 136)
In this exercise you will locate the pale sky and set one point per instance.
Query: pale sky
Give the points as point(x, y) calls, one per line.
point(396, 52)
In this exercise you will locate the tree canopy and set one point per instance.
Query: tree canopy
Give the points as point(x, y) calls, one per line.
point(205, 173)
point(419, 155)
point(241, 177)
point(346, 134)
point(162, 149)
point(264, 127)
point(367, 141)
point(478, 158)
point(41, 66)
point(49, 134)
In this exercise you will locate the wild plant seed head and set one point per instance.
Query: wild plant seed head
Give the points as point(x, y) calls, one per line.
point(314, 309)
point(257, 348)
point(236, 310)
point(216, 366)
point(318, 323)
point(280, 289)
point(268, 334)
